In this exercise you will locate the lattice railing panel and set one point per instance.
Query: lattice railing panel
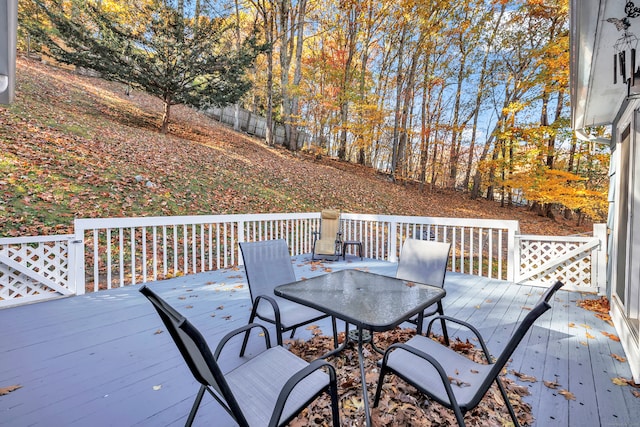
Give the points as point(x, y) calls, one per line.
point(543, 261)
point(34, 270)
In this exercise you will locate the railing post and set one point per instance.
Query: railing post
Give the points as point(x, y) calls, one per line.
point(512, 247)
point(76, 259)
point(599, 258)
point(517, 255)
point(240, 225)
point(393, 237)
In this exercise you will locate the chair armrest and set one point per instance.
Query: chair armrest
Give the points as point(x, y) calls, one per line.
point(238, 331)
point(294, 381)
point(466, 325)
point(446, 382)
point(270, 300)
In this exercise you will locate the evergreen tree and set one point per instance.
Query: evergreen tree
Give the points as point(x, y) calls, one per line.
point(178, 56)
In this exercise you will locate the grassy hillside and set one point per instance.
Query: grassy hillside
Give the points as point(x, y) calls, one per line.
point(73, 146)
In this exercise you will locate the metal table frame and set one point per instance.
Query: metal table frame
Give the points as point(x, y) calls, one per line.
point(371, 302)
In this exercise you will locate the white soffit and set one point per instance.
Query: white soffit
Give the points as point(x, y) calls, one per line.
point(595, 99)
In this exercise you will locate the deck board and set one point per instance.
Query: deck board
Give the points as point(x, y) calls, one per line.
point(95, 359)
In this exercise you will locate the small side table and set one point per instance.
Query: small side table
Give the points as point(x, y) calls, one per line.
point(356, 243)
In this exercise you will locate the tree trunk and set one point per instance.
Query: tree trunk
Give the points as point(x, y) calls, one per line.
point(396, 122)
point(166, 115)
point(297, 74)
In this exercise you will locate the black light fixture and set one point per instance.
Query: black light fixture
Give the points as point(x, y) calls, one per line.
point(625, 48)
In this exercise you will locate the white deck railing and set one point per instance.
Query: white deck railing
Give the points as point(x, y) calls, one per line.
point(123, 251)
point(113, 252)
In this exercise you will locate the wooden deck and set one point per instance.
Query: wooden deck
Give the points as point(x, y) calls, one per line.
point(98, 360)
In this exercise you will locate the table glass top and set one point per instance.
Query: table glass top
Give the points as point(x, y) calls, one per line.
point(365, 299)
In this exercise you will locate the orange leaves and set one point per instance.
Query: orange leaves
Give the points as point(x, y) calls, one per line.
point(599, 305)
point(610, 336)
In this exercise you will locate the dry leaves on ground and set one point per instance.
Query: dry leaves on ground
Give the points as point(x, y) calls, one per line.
point(400, 404)
point(599, 305)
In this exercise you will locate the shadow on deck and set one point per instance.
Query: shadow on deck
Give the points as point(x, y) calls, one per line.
point(102, 358)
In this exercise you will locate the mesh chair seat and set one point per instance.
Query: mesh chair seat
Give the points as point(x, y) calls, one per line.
point(292, 314)
point(257, 384)
point(462, 370)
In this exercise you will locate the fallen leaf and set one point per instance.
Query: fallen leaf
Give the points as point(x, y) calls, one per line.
point(157, 387)
point(619, 358)
point(551, 384)
point(572, 325)
point(459, 383)
point(159, 331)
point(524, 377)
point(620, 381)
point(9, 389)
point(567, 394)
point(589, 336)
point(611, 336)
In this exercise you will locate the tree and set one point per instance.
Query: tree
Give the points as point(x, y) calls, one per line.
point(160, 48)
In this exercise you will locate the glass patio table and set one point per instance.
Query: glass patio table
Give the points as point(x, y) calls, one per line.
point(370, 302)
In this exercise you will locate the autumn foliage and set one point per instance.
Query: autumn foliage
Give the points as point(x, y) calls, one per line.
point(79, 147)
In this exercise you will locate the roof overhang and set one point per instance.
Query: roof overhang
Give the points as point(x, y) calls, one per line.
point(595, 99)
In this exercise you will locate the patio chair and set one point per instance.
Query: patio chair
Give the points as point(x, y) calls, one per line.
point(425, 261)
point(267, 264)
point(327, 243)
point(448, 377)
point(269, 389)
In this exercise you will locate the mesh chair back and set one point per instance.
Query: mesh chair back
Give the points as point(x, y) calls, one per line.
point(267, 264)
point(194, 350)
point(423, 261)
point(330, 224)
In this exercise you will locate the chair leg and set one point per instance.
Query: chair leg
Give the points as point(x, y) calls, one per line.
point(196, 405)
point(335, 412)
point(246, 334)
point(335, 332)
point(506, 400)
point(293, 331)
point(376, 399)
point(445, 334)
point(459, 415)
point(419, 322)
